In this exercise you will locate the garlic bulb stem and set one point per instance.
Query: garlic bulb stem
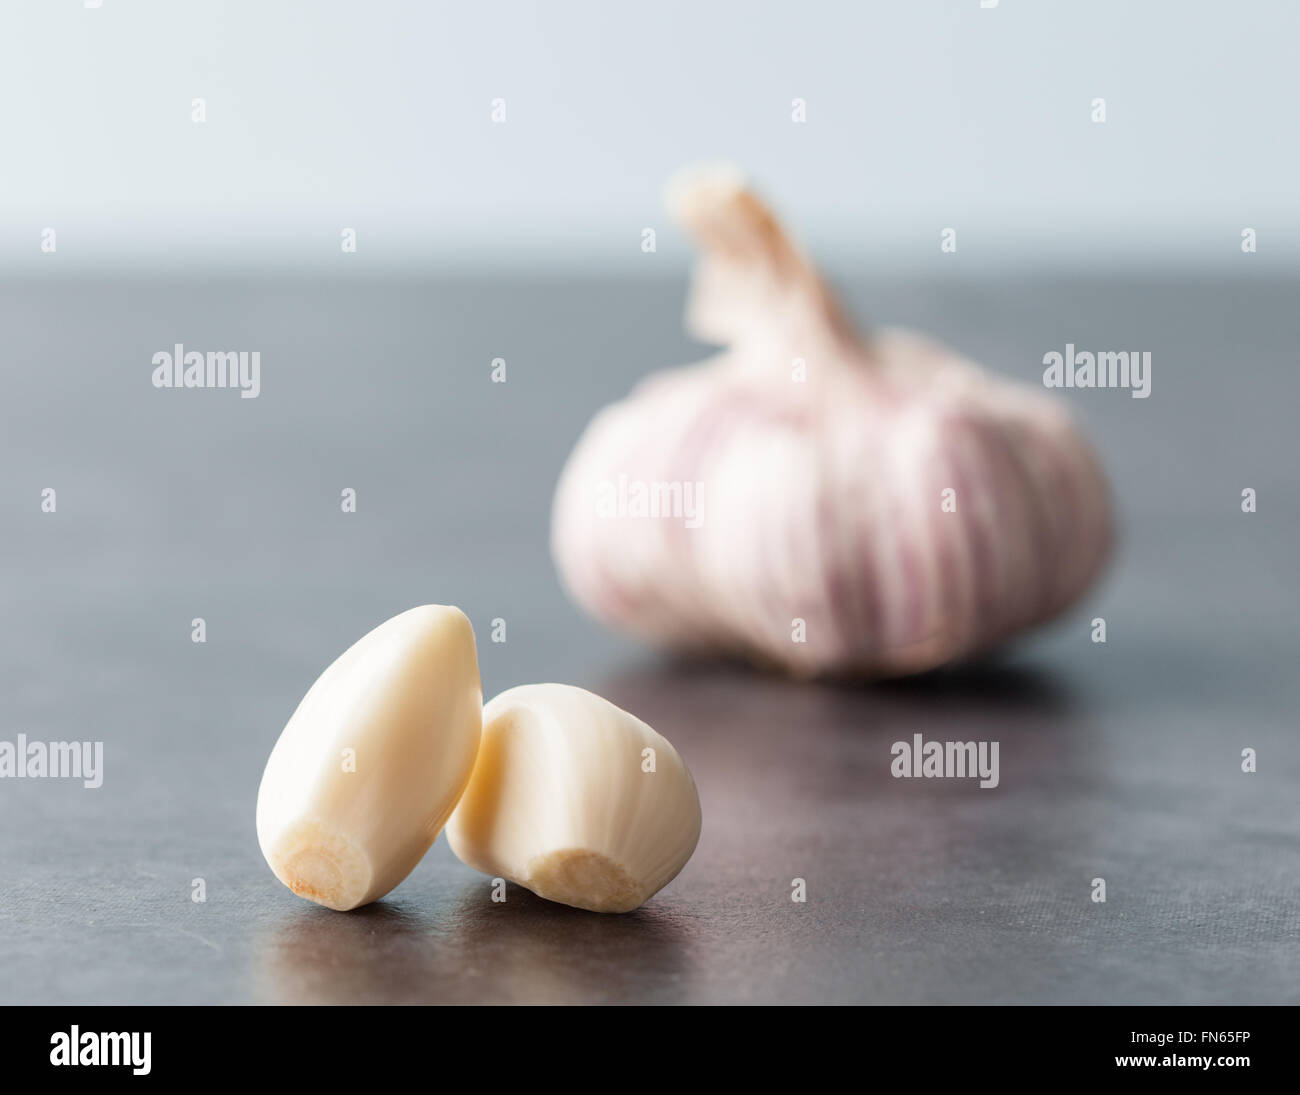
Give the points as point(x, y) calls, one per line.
point(751, 276)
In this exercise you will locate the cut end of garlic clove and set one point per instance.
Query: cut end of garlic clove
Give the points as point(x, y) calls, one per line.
point(577, 800)
point(321, 865)
point(585, 880)
point(371, 764)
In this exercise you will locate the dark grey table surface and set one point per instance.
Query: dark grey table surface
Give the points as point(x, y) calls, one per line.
point(1120, 761)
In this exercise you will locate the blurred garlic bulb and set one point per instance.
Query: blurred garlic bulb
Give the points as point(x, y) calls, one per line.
point(826, 502)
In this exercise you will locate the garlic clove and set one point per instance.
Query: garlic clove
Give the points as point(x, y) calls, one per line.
point(371, 764)
point(575, 799)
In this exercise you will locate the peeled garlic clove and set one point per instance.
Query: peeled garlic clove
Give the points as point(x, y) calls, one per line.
point(819, 500)
point(372, 762)
point(576, 800)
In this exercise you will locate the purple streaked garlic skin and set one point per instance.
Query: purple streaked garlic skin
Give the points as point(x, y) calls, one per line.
point(863, 506)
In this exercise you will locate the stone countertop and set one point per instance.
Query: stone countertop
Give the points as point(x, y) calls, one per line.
point(1120, 761)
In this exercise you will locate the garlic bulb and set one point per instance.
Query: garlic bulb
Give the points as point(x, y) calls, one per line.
point(825, 502)
point(576, 800)
point(372, 762)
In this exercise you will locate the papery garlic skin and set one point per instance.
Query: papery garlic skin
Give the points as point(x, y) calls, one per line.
point(566, 802)
point(371, 764)
point(824, 547)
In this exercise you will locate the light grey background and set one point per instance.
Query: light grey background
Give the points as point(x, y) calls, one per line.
point(377, 116)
